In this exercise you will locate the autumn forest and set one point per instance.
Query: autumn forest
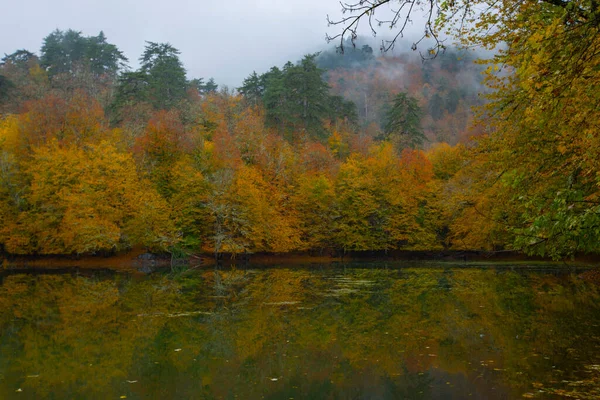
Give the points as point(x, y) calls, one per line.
point(329, 154)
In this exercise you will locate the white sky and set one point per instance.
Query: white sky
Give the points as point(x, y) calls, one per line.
point(225, 39)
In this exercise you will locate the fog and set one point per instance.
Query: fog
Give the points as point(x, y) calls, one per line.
point(226, 40)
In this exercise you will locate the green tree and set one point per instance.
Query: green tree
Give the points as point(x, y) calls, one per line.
point(66, 51)
point(354, 58)
point(210, 86)
point(296, 99)
point(103, 57)
point(308, 95)
point(165, 75)
point(402, 124)
point(339, 108)
point(5, 88)
point(132, 88)
point(20, 58)
point(253, 89)
point(274, 98)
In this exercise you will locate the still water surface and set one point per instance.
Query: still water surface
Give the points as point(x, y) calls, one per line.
point(372, 331)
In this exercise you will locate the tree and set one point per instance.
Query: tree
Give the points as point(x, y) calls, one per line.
point(246, 216)
point(132, 89)
point(61, 50)
point(402, 124)
point(333, 59)
point(253, 89)
point(163, 142)
point(75, 62)
point(80, 120)
point(85, 200)
point(103, 57)
point(191, 193)
point(210, 86)
point(23, 80)
point(5, 88)
point(66, 51)
point(315, 201)
point(543, 138)
point(340, 108)
point(297, 100)
point(20, 58)
point(381, 201)
point(165, 75)
point(308, 94)
point(274, 99)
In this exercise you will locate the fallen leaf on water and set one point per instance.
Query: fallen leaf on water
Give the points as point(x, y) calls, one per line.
point(131, 381)
point(19, 390)
point(274, 379)
point(528, 395)
point(177, 349)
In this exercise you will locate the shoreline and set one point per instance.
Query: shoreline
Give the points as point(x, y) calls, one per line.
point(142, 262)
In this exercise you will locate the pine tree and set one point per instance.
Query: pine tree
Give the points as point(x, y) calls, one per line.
point(253, 89)
point(210, 86)
point(165, 75)
point(403, 123)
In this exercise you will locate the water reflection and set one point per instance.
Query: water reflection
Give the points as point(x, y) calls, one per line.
point(318, 332)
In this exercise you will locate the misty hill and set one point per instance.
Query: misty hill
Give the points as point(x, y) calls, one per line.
point(445, 87)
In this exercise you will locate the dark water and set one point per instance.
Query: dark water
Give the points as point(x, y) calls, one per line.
point(359, 332)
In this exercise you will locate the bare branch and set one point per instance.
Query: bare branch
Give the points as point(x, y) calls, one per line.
point(400, 19)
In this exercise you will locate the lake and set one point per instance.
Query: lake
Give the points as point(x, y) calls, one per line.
point(354, 331)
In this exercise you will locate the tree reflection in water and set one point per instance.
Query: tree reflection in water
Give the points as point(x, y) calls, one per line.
point(368, 333)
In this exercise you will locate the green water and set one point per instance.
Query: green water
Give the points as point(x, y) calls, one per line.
point(316, 332)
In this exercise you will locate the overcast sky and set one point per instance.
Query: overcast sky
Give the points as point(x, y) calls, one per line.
point(224, 39)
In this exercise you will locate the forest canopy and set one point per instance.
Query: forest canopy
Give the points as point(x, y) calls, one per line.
point(332, 153)
point(541, 187)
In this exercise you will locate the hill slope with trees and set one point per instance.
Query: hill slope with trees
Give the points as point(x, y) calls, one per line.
point(327, 154)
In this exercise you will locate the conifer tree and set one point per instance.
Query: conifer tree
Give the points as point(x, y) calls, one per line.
point(403, 123)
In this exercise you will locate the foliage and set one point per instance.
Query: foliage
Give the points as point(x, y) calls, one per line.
point(355, 57)
point(85, 201)
point(293, 164)
point(445, 89)
point(166, 81)
point(22, 79)
point(402, 124)
point(543, 137)
point(297, 100)
point(66, 51)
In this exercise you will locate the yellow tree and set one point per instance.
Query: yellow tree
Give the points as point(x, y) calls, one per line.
point(315, 201)
point(85, 200)
point(381, 201)
point(246, 216)
point(191, 193)
point(11, 182)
